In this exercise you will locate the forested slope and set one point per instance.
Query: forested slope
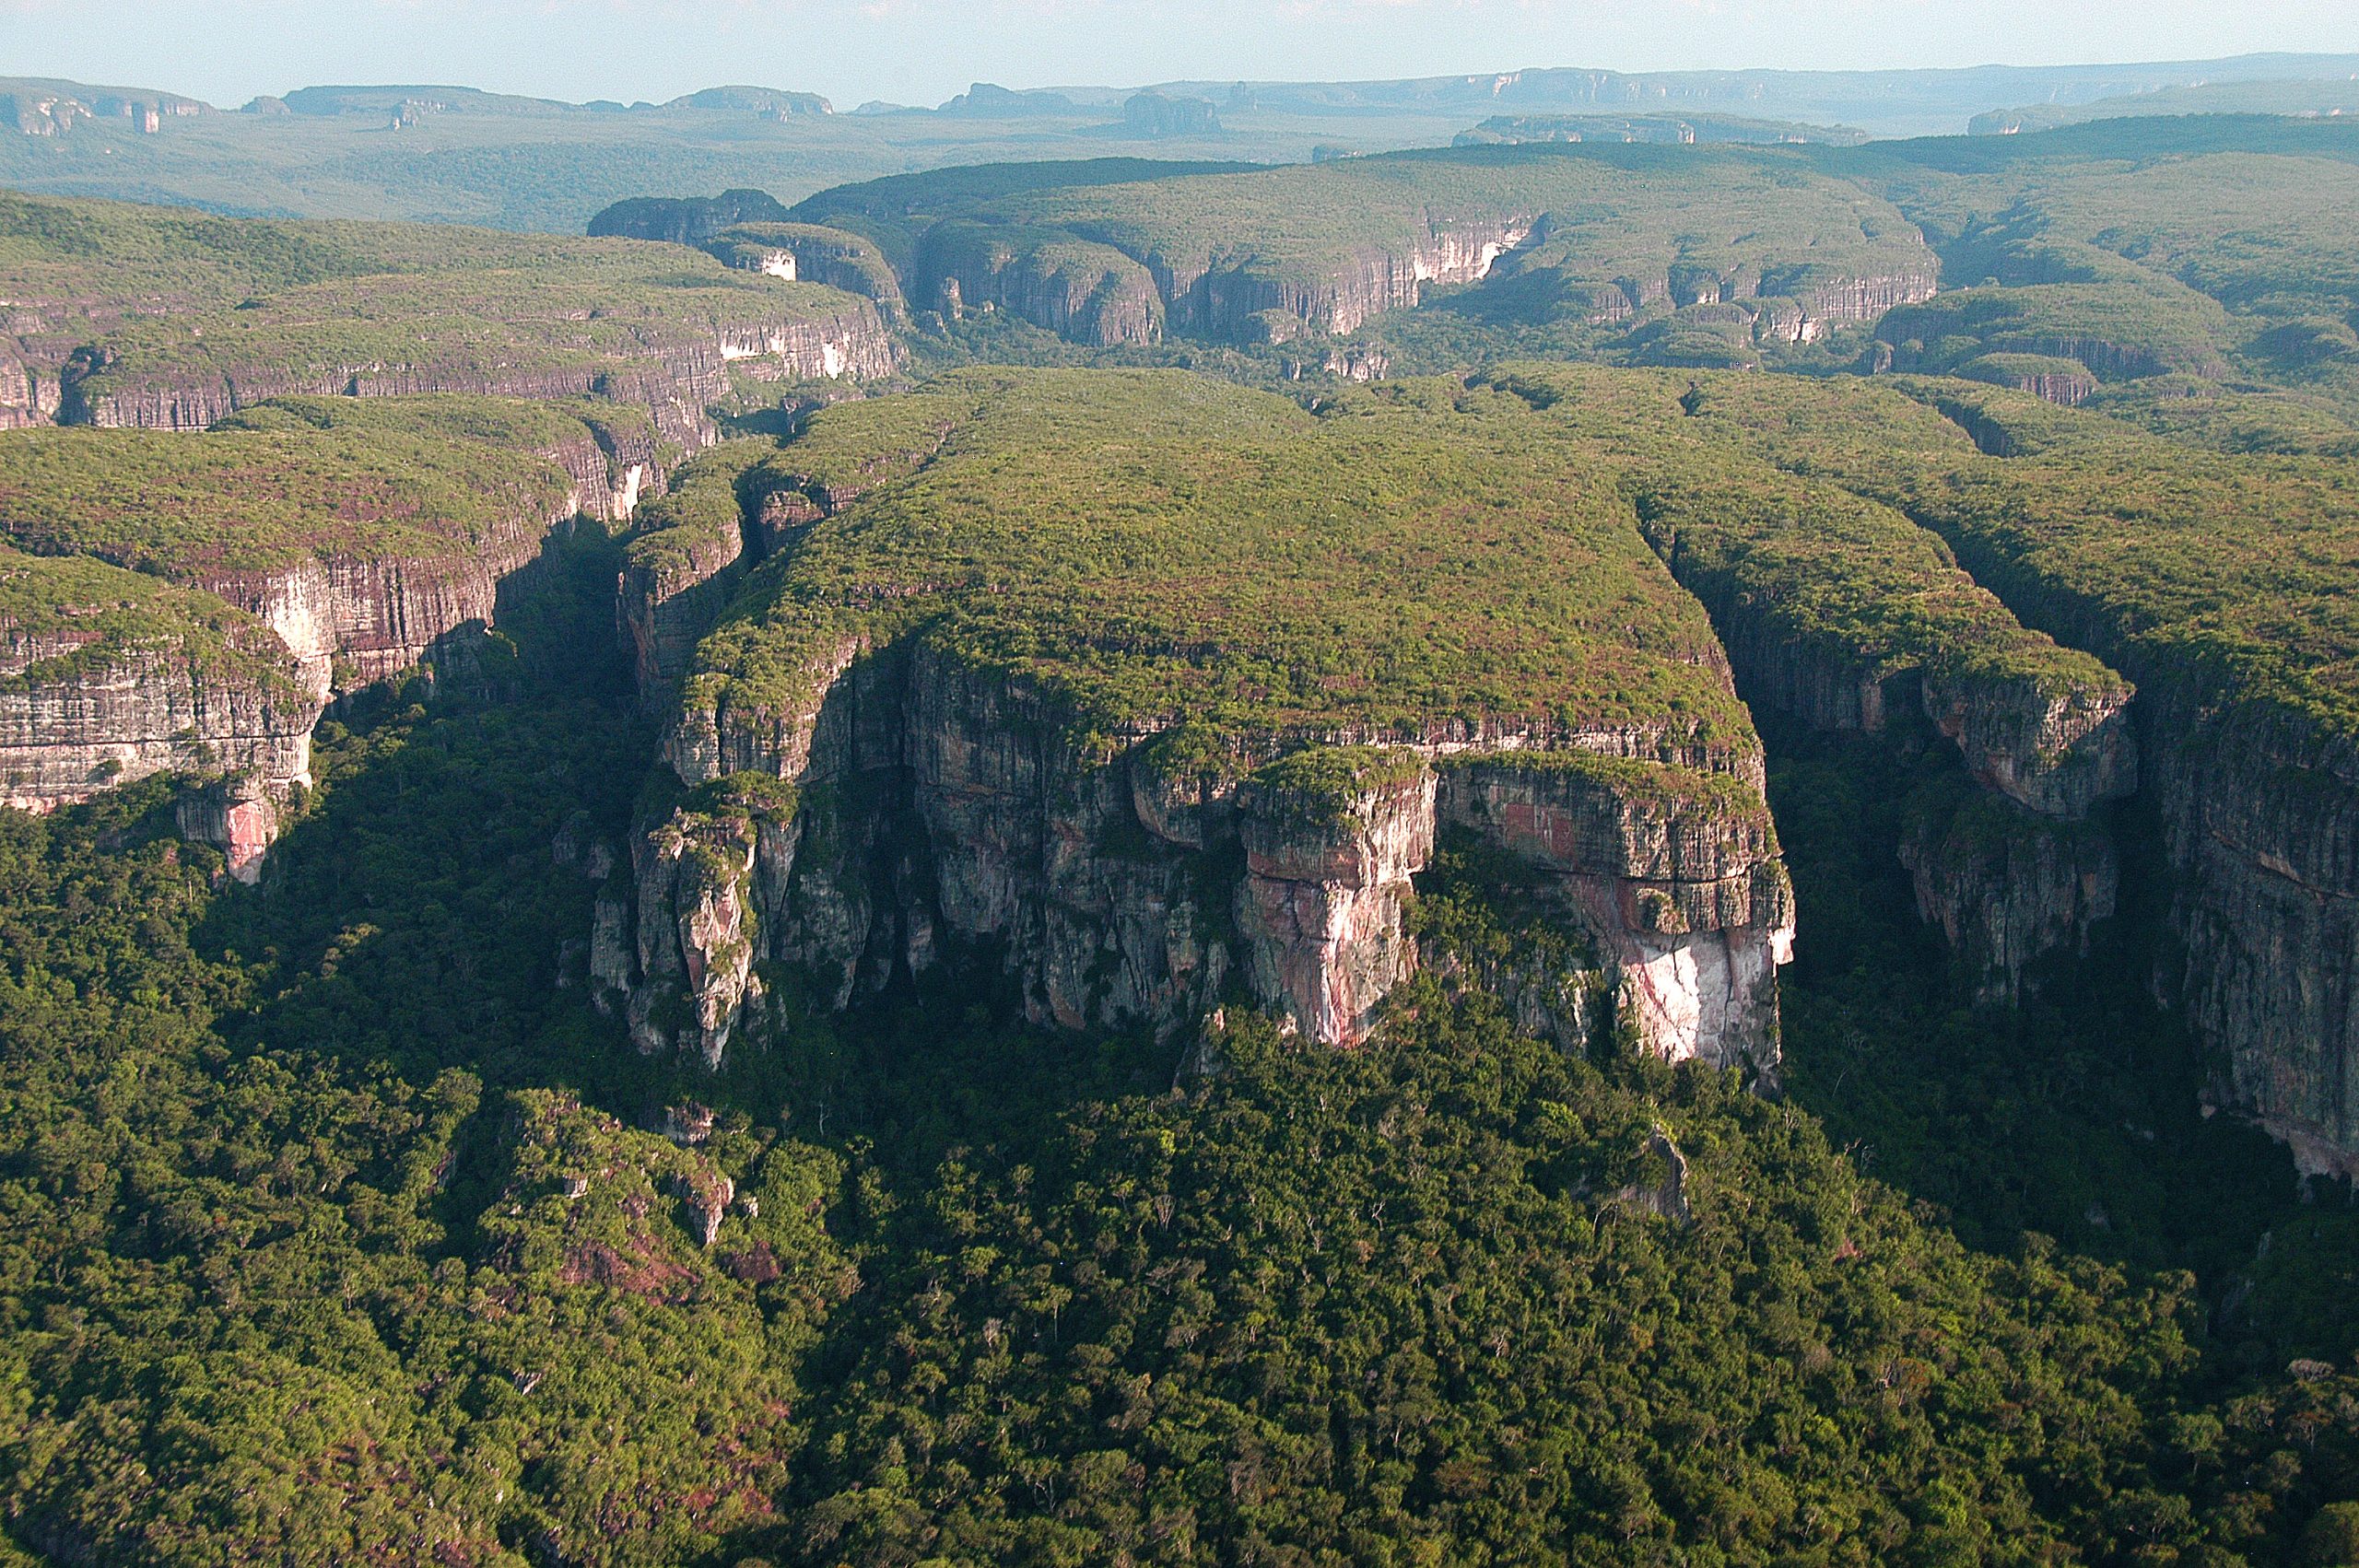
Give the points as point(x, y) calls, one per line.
point(623, 949)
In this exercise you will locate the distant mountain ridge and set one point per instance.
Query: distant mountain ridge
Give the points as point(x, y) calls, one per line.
point(2303, 98)
point(1883, 103)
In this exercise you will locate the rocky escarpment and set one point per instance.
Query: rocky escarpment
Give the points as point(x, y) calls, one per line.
point(107, 676)
point(728, 510)
point(612, 463)
point(925, 813)
point(690, 556)
point(1252, 303)
point(1056, 681)
point(353, 622)
point(1079, 289)
point(611, 454)
point(674, 370)
point(279, 566)
point(2220, 583)
point(1674, 871)
point(2260, 812)
point(2008, 856)
point(2067, 381)
point(2011, 869)
point(815, 253)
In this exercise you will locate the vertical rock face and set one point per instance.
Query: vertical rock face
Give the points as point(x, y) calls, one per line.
point(612, 467)
point(698, 958)
point(813, 253)
point(2057, 753)
point(238, 815)
point(1677, 873)
point(669, 593)
point(108, 677)
point(673, 370)
point(2261, 823)
point(2006, 888)
point(69, 730)
point(1243, 304)
point(1325, 885)
point(945, 811)
point(2010, 876)
point(352, 623)
point(1086, 291)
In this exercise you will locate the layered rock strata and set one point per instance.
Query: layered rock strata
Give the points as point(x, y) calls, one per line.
point(2044, 733)
point(2260, 812)
point(1089, 292)
point(107, 677)
point(1253, 304)
point(1677, 876)
point(674, 372)
point(813, 253)
point(941, 811)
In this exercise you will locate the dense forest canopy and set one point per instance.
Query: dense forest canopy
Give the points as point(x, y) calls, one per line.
point(1484, 578)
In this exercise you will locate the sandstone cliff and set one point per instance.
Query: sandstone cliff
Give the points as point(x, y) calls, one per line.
point(813, 253)
point(689, 555)
point(1089, 292)
point(672, 368)
point(2260, 812)
point(108, 677)
point(1804, 584)
point(1253, 303)
point(1060, 682)
point(938, 812)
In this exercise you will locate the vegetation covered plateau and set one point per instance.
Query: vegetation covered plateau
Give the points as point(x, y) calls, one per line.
point(1908, 585)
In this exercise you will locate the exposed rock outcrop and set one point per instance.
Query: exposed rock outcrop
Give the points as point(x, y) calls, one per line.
point(351, 622)
point(107, 677)
point(1247, 303)
point(681, 569)
point(2006, 888)
point(1676, 875)
point(674, 370)
point(2019, 874)
point(1079, 289)
point(944, 812)
point(613, 464)
point(813, 253)
point(2260, 815)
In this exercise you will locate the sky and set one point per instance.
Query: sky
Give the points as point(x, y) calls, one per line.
point(923, 51)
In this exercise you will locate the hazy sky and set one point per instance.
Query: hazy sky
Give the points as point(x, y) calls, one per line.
point(922, 51)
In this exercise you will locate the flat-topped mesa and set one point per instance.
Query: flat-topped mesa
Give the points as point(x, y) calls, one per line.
point(1274, 254)
point(997, 710)
point(108, 677)
point(143, 380)
point(364, 549)
point(613, 452)
point(194, 316)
